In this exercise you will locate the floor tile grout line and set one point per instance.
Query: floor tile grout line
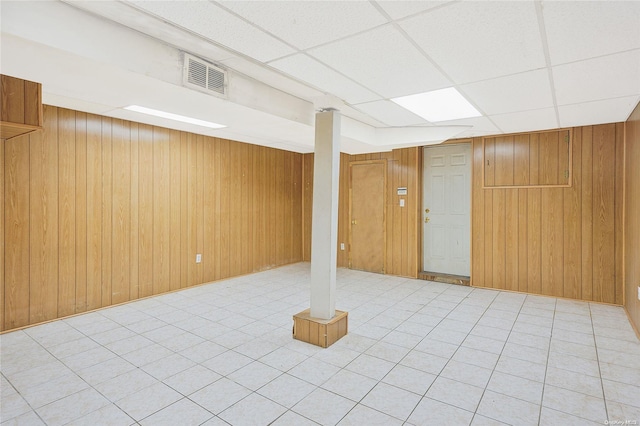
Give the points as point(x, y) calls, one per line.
point(475, 413)
point(595, 342)
point(546, 367)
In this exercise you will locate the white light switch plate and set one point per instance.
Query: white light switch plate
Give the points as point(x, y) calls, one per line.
point(198, 258)
point(402, 202)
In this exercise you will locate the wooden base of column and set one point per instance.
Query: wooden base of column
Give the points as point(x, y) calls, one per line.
point(320, 332)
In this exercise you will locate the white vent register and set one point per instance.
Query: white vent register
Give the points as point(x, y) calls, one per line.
point(203, 76)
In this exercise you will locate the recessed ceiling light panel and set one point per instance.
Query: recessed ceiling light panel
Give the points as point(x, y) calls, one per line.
point(174, 117)
point(438, 105)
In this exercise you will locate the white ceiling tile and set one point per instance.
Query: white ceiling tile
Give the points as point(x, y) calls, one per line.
point(383, 61)
point(519, 92)
point(598, 112)
point(586, 29)
point(390, 113)
point(526, 121)
point(309, 23)
point(474, 41)
point(219, 26)
point(399, 9)
point(310, 70)
point(601, 78)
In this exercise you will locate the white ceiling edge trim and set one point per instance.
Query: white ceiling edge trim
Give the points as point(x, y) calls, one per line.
point(395, 137)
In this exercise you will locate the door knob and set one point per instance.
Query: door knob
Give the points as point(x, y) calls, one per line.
point(427, 210)
point(354, 222)
point(426, 220)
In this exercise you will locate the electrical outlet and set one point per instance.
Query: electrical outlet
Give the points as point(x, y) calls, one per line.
point(198, 258)
point(401, 202)
point(342, 248)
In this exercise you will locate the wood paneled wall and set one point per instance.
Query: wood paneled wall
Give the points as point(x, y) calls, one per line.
point(403, 223)
point(99, 211)
point(563, 242)
point(632, 217)
point(20, 106)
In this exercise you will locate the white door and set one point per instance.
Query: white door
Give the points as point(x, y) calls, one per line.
point(446, 209)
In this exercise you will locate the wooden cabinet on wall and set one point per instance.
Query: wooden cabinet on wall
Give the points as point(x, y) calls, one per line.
point(21, 103)
point(562, 240)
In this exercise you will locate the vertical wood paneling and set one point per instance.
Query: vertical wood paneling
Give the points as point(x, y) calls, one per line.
point(43, 245)
point(134, 286)
point(98, 211)
point(587, 212)
point(631, 225)
point(488, 238)
point(523, 248)
point(216, 213)
point(534, 159)
point(81, 212)
point(174, 210)
point(499, 251)
point(557, 241)
point(572, 256)
point(618, 221)
point(210, 249)
point(603, 213)
point(121, 231)
point(94, 212)
point(161, 211)
point(534, 235)
point(145, 210)
point(184, 210)
point(549, 152)
point(552, 241)
point(504, 160)
point(511, 239)
point(67, 212)
point(521, 160)
point(107, 210)
point(477, 218)
point(225, 216)
point(32, 103)
point(17, 227)
point(13, 99)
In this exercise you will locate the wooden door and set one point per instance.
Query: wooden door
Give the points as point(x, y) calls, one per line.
point(367, 216)
point(446, 209)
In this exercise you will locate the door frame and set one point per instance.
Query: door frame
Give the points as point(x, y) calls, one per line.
point(421, 201)
point(382, 161)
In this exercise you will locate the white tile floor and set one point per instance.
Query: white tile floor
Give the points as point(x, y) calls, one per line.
point(418, 353)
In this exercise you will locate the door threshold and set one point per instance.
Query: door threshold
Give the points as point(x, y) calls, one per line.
point(445, 278)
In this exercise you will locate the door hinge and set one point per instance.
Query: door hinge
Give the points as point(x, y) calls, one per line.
point(566, 174)
point(566, 138)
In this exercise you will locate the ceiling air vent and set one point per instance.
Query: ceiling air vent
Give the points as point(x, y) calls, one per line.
point(204, 76)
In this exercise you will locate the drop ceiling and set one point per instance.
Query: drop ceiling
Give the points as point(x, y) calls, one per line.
point(525, 65)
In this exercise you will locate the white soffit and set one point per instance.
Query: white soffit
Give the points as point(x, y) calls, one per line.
point(586, 29)
point(526, 121)
point(480, 126)
point(384, 61)
point(310, 70)
point(597, 112)
point(595, 79)
point(475, 41)
point(390, 113)
point(218, 26)
point(308, 23)
point(519, 92)
point(400, 9)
